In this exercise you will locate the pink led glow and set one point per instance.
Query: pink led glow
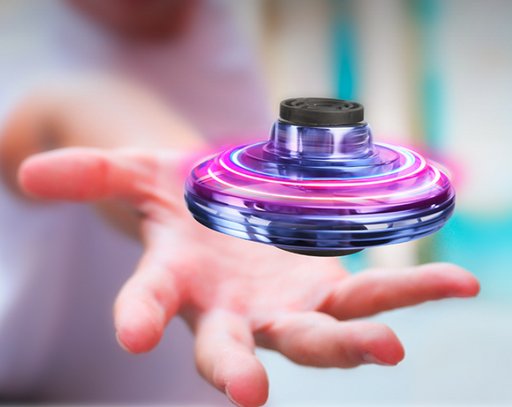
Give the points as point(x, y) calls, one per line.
point(410, 179)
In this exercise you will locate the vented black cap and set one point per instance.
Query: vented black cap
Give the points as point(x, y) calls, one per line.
point(320, 112)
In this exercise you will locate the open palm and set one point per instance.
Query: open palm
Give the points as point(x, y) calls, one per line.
point(234, 294)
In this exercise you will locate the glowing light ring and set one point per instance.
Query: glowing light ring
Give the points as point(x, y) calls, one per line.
point(400, 197)
point(333, 198)
point(410, 158)
point(340, 183)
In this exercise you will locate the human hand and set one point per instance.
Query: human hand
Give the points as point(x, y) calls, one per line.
point(234, 294)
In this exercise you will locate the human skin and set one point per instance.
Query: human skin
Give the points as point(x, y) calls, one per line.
point(140, 20)
point(234, 294)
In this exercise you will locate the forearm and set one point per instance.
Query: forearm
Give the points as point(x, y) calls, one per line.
point(102, 114)
point(91, 113)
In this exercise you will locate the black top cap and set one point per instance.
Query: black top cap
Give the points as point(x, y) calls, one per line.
point(319, 112)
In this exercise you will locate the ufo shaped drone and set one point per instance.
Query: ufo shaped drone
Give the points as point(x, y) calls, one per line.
point(320, 186)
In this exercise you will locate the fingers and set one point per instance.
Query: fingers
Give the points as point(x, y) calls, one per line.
point(316, 339)
point(371, 292)
point(146, 304)
point(85, 174)
point(224, 357)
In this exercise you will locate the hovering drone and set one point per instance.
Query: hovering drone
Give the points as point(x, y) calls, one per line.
point(320, 185)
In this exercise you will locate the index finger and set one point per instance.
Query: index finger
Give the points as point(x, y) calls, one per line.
point(88, 174)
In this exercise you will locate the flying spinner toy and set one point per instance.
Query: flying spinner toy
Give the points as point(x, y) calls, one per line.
point(320, 185)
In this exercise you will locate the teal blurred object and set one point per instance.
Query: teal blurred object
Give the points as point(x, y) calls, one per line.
point(345, 49)
point(427, 16)
point(481, 244)
point(355, 262)
point(346, 66)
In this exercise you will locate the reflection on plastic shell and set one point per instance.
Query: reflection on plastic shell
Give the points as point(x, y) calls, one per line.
point(320, 191)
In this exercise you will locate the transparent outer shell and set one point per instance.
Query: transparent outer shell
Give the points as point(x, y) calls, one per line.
point(320, 189)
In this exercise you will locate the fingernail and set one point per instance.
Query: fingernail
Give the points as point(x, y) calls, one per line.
point(122, 345)
point(231, 398)
point(371, 358)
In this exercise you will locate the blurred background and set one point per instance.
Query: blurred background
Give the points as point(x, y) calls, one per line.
point(435, 75)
